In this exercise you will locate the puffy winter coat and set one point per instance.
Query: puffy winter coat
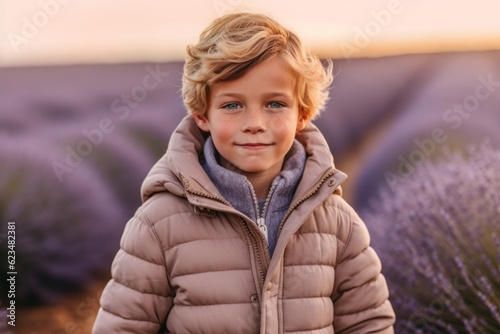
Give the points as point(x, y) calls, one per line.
point(190, 263)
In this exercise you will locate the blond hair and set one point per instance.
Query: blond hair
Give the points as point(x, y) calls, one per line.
point(233, 43)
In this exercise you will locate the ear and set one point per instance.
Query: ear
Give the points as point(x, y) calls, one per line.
point(202, 122)
point(302, 122)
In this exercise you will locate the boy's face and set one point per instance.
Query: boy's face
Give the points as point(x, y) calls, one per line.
point(253, 119)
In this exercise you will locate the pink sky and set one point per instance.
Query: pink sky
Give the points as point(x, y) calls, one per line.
point(36, 32)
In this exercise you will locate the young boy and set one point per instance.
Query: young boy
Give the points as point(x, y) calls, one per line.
point(243, 229)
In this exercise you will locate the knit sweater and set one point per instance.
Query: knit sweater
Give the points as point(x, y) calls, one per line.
point(238, 190)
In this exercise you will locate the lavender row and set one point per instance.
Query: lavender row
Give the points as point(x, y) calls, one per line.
point(438, 236)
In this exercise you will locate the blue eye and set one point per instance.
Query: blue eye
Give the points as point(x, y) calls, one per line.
point(231, 106)
point(275, 105)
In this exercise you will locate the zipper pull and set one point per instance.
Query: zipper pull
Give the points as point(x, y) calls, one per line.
point(262, 225)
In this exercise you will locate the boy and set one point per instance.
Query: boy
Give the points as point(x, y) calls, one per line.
point(243, 229)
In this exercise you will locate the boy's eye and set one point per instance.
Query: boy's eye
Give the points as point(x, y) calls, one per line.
point(275, 104)
point(232, 106)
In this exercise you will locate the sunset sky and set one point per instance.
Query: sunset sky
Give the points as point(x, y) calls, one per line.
point(41, 32)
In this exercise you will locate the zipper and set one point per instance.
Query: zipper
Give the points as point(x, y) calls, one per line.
point(202, 194)
point(261, 218)
point(311, 192)
point(261, 222)
point(258, 255)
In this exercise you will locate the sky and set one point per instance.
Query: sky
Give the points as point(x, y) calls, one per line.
point(52, 32)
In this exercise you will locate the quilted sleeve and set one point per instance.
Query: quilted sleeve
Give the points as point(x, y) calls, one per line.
point(138, 298)
point(360, 293)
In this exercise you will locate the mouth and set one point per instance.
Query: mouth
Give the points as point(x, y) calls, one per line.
point(253, 146)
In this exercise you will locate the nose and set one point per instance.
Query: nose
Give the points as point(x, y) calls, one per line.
point(254, 121)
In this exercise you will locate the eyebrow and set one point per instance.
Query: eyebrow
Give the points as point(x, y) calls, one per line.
point(266, 95)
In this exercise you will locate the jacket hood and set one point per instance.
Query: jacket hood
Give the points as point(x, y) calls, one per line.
point(181, 162)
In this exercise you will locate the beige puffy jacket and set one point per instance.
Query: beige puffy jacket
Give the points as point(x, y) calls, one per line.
point(190, 263)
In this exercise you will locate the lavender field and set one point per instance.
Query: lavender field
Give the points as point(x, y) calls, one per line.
point(417, 134)
point(438, 236)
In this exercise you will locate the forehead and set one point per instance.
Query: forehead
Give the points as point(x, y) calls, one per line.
point(272, 75)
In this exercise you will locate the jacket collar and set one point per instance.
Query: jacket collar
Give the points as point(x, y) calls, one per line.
point(179, 169)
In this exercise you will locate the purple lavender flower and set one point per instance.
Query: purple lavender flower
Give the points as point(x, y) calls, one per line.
point(437, 236)
point(120, 161)
point(67, 233)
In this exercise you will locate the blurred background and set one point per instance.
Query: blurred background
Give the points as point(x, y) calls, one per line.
point(90, 93)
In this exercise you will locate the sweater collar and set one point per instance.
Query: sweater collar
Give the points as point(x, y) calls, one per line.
point(238, 191)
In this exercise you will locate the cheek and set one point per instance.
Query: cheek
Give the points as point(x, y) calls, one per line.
point(222, 132)
point(284, 127)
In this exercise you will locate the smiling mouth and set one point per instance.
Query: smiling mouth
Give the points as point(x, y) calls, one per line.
point(253, 146)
